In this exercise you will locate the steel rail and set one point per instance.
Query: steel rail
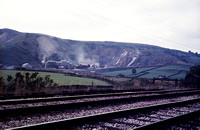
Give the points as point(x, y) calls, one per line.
point(45, 108)
point(79, 121)
point(63, 98)
point(171, 121)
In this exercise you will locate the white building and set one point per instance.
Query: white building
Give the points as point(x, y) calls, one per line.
point(27, 66)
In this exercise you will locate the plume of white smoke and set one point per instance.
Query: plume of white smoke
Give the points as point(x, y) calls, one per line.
point(81, 57)
point(47, 47)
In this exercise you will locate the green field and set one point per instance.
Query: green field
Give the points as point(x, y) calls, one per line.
point(170, 71)
point(58, 78)
point(127, 73)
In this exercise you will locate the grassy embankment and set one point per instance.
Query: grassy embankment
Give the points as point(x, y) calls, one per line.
point(58, 78)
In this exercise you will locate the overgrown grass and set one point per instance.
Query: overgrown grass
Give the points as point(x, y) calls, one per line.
point(58, 78)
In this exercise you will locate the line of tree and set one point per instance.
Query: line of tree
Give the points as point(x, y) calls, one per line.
point(193, 76)
point(195, 70)
point(29, 82)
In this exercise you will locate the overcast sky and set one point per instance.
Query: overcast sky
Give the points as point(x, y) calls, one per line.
point(172, 24)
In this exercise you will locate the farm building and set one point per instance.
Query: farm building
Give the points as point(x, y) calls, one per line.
point(27, 66)
point(80, 66)
point(51, 64)
point(120, 75)
point(63, 64)
point(162, 76)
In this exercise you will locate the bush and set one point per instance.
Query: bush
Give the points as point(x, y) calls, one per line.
point(21, 84)
point(133, 70)
point(144, 82)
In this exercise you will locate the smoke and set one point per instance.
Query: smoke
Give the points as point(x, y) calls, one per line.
point(47, 47)
point(84, 58)
point(44, 59)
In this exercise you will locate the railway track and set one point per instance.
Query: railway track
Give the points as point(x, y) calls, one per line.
point(150, 117)
point(189, 120)
point(31, 108)
point(63, 98)
point(84, 107)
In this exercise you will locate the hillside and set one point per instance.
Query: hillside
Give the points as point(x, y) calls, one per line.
point(17, 48)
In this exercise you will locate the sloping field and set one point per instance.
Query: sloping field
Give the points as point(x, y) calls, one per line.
point(58, 78)
point(127, 73)
point(170, 71)
point(178, 75)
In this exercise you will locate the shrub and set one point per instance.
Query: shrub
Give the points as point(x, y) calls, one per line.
point(144, 82)
point(133, 70)
point(21, 84)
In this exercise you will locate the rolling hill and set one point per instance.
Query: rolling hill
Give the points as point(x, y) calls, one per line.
point(17, 48)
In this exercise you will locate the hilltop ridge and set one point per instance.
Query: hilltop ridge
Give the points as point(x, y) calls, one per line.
point(18, 48)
